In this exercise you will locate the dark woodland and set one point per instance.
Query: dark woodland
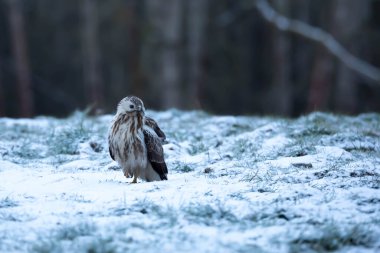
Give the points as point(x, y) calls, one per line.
point(220, 56)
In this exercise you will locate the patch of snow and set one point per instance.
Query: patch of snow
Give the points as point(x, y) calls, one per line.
point(79, 165)
point(6, 165)
point(333, 152)
point(273, 144)
point(236, 184)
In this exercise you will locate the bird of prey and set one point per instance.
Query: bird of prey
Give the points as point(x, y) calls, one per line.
point(135, 142)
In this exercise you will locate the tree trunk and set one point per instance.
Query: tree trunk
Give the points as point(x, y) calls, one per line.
point(20, 54)
point(134, 48)
point(281, 65)
point(301, 58)
point(2, 97)
point(321, 81)
point(166, 22)
point(91, 63)
point(349, 15)
point(196, 20)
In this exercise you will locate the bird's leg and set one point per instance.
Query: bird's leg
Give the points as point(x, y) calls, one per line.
point(126, 174)
point(135, 176)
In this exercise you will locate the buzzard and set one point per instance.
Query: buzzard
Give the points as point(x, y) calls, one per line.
point(135, 142)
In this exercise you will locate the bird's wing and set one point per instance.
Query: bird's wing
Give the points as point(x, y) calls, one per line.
point(155, 153)
point(110, 146)
point(111, 154)
point(153, 124)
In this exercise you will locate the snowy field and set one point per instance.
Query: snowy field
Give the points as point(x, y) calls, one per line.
point(236, 184)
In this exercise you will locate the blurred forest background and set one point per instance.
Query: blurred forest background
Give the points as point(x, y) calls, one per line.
point(222, 56)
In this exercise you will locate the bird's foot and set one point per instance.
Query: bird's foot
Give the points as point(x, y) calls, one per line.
point(134, 181)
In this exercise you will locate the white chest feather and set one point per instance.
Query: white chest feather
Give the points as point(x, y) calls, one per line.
point(127, 144)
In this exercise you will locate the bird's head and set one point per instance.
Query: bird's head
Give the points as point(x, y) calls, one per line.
point(131, 105)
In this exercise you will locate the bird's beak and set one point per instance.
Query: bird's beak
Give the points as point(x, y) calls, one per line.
point(140, 109)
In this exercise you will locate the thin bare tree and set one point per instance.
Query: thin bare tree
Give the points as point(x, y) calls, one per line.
point(93, 82)
point(321, 81)
point(133, 22)
point(196, 24)
point(165, 21)
point(21, 60)
point(2, 97)
point(349, 16)
point(281, 66)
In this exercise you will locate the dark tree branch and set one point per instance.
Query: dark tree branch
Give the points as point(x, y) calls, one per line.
point(318, 35)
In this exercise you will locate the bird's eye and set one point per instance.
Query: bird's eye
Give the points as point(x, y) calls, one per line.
point(131, 106)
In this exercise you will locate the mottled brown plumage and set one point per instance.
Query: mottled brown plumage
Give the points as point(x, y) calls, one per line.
point(135, 142)
point(152, 124)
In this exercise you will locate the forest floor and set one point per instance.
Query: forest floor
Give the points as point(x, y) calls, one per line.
point(236, 184)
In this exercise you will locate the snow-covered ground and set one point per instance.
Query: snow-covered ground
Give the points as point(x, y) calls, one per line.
point(236, 184)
